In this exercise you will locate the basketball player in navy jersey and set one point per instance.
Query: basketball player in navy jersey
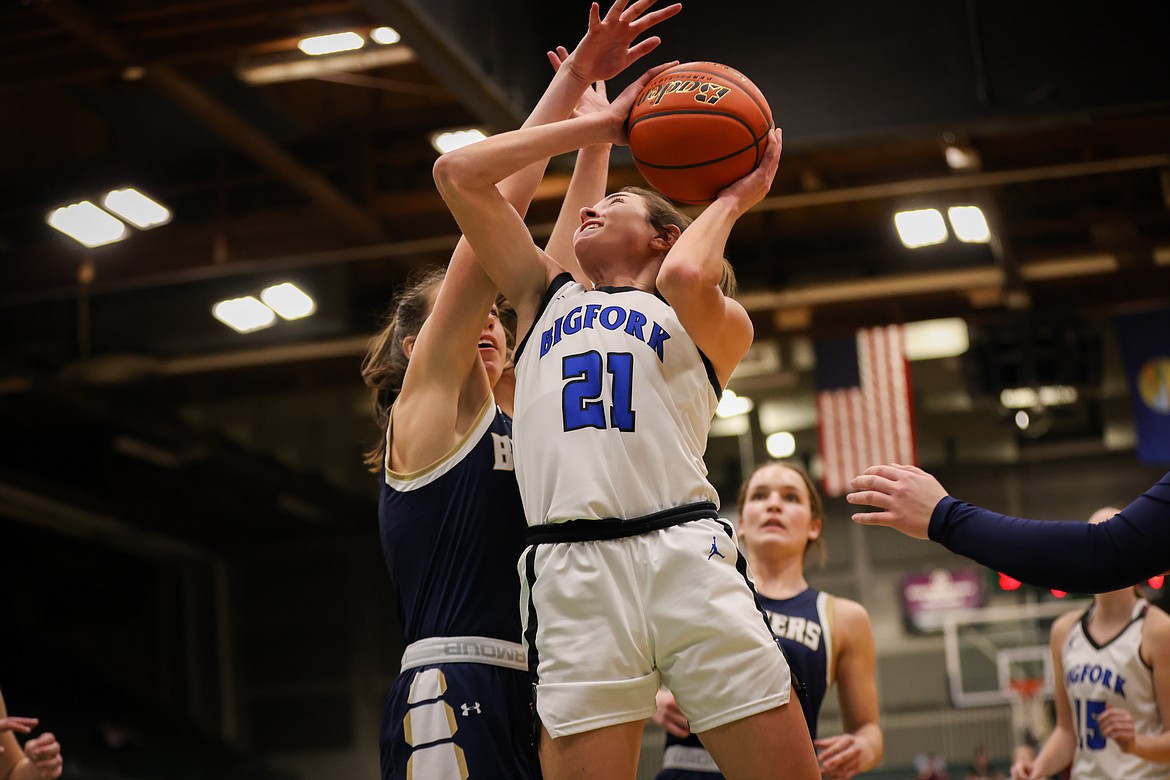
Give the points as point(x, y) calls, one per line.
point(1127, 549)
point(617, 379)
point(1111, 688)
point(826, 639)
point(450, 515)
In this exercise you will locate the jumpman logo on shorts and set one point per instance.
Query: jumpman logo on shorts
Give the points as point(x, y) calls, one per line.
point(714, 550)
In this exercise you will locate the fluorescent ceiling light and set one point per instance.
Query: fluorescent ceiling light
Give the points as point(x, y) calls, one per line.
point(969, 224)
point(732, 405)
point(87, 224)
point(1029, 397)
point(961, 158)
point(243, 314)
point(781, 445)
point(931, 339)
point(136, 208)
point(385, 35)
point(281, 69)
point(288, 300)
point(923, 227)
point(450, 140)
point(331, 44)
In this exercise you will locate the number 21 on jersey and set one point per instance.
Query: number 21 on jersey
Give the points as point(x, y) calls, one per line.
point(581, 397)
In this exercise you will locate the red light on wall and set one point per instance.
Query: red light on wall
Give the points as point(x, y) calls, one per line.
point(1008, 583)
point(1157, 581)
point(1058, 593)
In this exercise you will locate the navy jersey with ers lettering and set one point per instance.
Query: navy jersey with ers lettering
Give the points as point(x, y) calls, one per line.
point(802, 624)
point(451, 535)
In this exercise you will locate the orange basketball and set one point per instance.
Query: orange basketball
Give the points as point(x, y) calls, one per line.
point(696, 128)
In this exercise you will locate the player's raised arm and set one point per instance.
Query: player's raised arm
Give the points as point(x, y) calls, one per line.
point(587, 185)
point(467, 180)
point(694, 267)
point(1072, 556)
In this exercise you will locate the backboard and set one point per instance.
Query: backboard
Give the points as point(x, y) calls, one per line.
point(988, 648)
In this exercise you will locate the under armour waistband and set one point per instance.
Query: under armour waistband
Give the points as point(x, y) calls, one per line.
point(617, 528)
point(465, 650)
point(692, 759)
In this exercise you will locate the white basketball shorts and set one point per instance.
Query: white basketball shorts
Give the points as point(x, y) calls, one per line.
point(606, 623)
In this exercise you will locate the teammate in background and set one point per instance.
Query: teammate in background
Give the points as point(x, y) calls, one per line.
point(1111, 686)
point(1131, 547)
point(825, 638)
point(616, 385)
point(39, 760)
point(451, 520)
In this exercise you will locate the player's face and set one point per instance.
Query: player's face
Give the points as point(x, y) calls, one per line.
point(777, 512)
point(619, 223)
point(493, 346)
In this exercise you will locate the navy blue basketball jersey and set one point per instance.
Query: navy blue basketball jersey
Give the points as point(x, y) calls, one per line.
point(451, 536)
point(802, 624)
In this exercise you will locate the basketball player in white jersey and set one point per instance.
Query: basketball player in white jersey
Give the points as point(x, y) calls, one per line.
point(630, 580)
point(1111, 688)
point(450, 515)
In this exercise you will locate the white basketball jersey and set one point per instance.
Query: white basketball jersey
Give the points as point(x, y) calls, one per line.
point(613, 406)
point(1112, 673)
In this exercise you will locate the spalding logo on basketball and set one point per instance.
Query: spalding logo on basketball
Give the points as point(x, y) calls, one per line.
point(696, 128)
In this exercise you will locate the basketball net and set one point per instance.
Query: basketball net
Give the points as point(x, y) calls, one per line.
point(1030, 723)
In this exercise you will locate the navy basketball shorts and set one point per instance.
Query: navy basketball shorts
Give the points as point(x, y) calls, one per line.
point(459, 721)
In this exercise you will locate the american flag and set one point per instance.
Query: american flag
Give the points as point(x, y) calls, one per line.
point(863, 404)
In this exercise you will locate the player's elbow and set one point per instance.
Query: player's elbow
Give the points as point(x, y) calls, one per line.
point(453, 173)
point(681, 278)
point(446, 173)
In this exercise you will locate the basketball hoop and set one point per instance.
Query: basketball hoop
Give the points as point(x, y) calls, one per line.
point(1030, 724)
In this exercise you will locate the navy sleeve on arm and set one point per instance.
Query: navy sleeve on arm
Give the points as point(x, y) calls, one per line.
point(1130, 547)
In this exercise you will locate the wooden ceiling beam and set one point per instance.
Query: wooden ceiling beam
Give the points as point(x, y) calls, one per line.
point(450, 64)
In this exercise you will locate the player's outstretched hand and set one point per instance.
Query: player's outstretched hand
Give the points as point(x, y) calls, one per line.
point(608, 47)
point(907, 496)
point(593, 100)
